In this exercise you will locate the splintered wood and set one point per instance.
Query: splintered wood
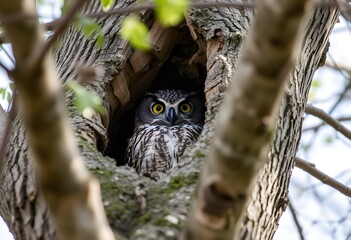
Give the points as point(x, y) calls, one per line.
point(142, 67)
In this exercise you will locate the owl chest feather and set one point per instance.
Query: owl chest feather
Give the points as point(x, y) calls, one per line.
point(159, 148)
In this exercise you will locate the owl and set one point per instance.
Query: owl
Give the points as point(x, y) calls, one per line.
point(167, 122)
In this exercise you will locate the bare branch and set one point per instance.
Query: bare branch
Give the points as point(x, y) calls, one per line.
point(345, 9)
point(316, 127)
point(324, 178)
point(338, 66)
point(37, 56)
point(296, 220)
point(71, 192)
point(134, 8)
point(8, 54)
point(309, 109)
point(5, 68)
point(16, 17)
point(150, 6)
point(346, 88)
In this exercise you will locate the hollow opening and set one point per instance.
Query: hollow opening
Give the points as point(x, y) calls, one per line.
point(177, 62)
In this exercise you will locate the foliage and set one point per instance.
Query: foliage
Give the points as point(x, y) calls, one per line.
point(168, 13)
point(107, 4)
point(6, 94)
point(86, 102)
point(136, 32)
point(90, 29)
point(315, 86)
point(171, 12)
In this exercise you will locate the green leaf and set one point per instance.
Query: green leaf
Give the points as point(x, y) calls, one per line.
point(86, 102)
point(9, 97)
point(40, 2)
point(90, 29)
point(171, 12)
point(100, 40)
point(107, 4)
point(311, 96)
point(316, 83)
point(329, 139)
point(3, 92)
point(136, 32)
point(65, 6)
point(12, 86)
point(87, 26)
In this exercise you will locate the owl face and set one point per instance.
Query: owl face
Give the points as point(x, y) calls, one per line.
point(169, 108)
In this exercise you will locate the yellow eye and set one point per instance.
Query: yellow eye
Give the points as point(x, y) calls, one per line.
point(157, 108)
point(185, 108)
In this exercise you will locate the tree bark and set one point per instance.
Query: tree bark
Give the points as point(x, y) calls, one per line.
point(219, 34)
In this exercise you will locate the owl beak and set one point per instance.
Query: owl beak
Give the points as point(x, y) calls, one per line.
point(171, 116)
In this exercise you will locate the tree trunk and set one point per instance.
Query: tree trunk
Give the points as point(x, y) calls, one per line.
point(270, 194)
point(218, 34)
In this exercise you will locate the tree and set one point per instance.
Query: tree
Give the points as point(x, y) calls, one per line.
point(127, 74)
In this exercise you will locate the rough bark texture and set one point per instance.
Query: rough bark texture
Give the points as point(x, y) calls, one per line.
point(246, 120)
point(219, 34)
point(270, 195)
point(70, 190)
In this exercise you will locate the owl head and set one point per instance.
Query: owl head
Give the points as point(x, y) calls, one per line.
point(170, 107)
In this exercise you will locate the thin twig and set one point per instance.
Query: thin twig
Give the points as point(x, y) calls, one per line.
point(324, 178)
point(8, 55)
point(145, 6)
point(296, 220)
point(62, 26)
point(8, 71)
point(316, 127)
point(344, 9)
point(338, 66)
point(347, 87)
point(10, 19)
point(328, 119)
point(151, 6)
point(341, 95)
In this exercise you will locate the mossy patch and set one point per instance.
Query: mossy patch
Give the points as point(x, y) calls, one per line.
point(178, 182)
point(142, 219)
point(117, 195)
point(199, 154)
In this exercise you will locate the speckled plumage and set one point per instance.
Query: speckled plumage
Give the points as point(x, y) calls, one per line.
point(159, 140)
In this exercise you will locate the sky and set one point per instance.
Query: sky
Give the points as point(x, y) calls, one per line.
point(329, 157)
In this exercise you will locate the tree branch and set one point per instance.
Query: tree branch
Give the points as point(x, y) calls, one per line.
point(316, 127)
point(63, 24)
point(338, 66)
point(346, 88)
point(5, 68)
point(324, 178)
point(72, 194)
point(244, 125)
point(345, 9)
point(296, 220)
point(309, 109)
point(8, 54)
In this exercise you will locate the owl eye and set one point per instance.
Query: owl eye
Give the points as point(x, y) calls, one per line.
point(157, 108)
point(185, 107)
